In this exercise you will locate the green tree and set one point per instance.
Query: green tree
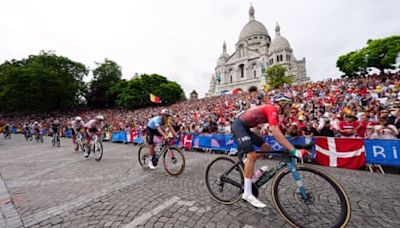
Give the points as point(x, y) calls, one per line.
point(135, 93)
point(353, 63)
point(41, 82)
point(276, 76)
point(105, 76)
point(382, 53)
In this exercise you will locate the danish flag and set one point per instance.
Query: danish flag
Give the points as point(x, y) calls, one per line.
point(340, 152)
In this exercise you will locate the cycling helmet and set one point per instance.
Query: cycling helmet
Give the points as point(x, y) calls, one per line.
point(100, 117)
point(165, 112)
point(78, 118)
point(280, 97)
point(36, 122)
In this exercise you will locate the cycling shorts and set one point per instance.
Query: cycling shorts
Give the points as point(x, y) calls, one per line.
point(245, 137)
point(150, 132)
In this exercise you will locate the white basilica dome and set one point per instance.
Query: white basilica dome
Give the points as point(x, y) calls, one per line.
point(253, 27)
point(279, 43)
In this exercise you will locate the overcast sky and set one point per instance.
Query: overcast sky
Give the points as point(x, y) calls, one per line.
point(182, 39)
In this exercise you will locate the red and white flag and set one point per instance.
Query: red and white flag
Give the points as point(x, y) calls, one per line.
point(340, 152)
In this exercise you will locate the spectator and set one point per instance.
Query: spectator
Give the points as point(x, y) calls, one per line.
point(348, 127)
point(326, 129)
point(309, 130)
point(384, 130)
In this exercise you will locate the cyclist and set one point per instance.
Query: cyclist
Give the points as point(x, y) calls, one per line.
point(27, 130)
point(36, 128)
point(92, 127)
point(76, 125)
point(267, 113)
point(7, 130)
point(154, 127)
point(56, 127)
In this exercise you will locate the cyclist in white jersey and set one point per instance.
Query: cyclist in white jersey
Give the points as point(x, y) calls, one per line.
point(92, 127)
point(76, 125)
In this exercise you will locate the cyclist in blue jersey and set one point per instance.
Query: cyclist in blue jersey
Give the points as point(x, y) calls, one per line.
point(154, 127)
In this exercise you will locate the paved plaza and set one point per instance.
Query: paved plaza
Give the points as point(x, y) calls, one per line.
point(43, 186)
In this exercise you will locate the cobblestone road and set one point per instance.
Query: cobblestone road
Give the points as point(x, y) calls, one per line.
point(42, 186)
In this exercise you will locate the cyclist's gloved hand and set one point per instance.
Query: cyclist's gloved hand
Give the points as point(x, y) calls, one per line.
point(298, 153)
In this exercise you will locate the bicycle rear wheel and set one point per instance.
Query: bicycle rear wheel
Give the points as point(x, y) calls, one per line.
point(143, 156)
point(224, 180)
point(98, 150)
point(174, 161)
point(327, 206)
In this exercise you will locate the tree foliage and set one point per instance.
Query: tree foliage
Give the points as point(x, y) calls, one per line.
point(105, 76)
point(380, 54)
point(41, 82)
point(276, 76)
point(135, 93)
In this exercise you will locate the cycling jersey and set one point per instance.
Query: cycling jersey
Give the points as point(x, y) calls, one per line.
point(260, 115)
point(155, 122)
point(77, 124)
point(92, 124)
point(249, 119)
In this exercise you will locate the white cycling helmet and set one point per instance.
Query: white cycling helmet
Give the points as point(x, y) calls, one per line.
point(165, 112)
point(36, 122)
point(100, 117)
point(280, 97)
point(78, 118)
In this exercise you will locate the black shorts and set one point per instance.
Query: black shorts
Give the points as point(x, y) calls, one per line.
point(245, 137)
point(93, 130)
point(150, 133)
point(75, 132)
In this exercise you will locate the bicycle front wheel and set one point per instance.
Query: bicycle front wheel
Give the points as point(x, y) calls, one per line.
point(224, 180)
point(327, 205)
point(143, 156)
point(98, 150)
point(174, 161)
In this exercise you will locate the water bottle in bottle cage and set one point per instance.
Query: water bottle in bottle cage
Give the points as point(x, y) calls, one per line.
point(258, 173)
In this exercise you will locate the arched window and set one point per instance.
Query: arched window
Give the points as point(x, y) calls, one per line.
point(277, 58)
point(230, 78)
point(255, 73)
point(241, 70)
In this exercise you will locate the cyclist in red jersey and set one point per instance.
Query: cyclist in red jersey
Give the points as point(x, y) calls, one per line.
point(253, 117)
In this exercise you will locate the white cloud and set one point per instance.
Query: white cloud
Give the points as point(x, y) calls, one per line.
point(182, 39)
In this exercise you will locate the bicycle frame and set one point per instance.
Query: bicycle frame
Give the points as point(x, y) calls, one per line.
point(291, 164)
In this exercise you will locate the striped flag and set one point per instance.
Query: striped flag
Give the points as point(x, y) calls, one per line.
point(155, 99)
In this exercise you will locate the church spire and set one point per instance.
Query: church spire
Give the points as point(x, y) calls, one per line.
point(277, 29)
point(251, 12)
point(224, 47)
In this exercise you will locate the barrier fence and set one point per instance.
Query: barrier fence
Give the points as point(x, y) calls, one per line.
point(351, 153)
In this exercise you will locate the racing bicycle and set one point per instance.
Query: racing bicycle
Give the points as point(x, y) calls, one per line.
point(7, 134)
point(38, 136)
point(173, 158)
point(55, 140)
point(80, 142)
point(302, 194)
point(95, 146)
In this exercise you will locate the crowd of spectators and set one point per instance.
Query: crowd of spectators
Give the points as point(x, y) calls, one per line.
point(362, 107)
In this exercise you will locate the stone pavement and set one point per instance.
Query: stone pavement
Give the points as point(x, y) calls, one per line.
point(42, 186)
